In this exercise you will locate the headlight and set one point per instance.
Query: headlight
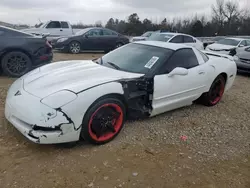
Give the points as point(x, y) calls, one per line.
point(59, 99)
point(62, 39)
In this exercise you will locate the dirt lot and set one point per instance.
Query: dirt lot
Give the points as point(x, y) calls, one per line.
point(147, 153)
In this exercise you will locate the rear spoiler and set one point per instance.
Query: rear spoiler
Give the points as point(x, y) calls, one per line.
point(218, 55)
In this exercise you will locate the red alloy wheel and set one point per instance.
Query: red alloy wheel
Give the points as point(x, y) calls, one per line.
point(217, 91)
point(105, 122)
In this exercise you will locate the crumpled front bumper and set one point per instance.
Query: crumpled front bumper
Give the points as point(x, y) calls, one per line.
point(36, 121)
point(219, 52)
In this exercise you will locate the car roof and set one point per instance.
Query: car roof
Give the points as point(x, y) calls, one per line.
point(174, 34)
point(167, 45)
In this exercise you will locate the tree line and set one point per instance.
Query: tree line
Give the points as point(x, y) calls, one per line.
point(227, 19)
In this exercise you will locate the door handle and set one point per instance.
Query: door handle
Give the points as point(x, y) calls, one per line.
point(61, 30)
point(201, 72)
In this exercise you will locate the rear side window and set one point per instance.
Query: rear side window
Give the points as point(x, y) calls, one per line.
point(53, 25)
point(184, 58)
point(64, 25)
point(188, 39)
point(177, 39)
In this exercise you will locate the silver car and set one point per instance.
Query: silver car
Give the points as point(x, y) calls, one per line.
point(242, 59)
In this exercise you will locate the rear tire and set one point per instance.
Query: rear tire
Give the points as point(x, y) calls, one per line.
point(215, 93)
point(16, 64)
point(103, 121)
point(118, 45)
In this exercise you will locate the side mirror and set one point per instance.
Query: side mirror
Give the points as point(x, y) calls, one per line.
point(86, 36)
point(178, 71)
point(241, 45)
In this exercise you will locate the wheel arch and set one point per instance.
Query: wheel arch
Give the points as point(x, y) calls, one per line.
point(75, 40)
point(111, 95)
point(8, 50)
point(225, 76)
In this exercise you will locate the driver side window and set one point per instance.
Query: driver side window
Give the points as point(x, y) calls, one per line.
point(94, 33)
point(184, 58)
point(54, 25)
point(243, 43)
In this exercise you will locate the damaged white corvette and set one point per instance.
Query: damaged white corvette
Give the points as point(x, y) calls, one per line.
point(65, 101)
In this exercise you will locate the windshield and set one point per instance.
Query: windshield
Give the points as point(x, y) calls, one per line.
point(136, 58)
point(231, 42)
point(83, 31)
point(160, 37)
point(147, 34)
point(218, 38)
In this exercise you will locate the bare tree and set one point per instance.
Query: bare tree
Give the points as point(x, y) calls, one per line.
point(231, 11)
point(218, 12)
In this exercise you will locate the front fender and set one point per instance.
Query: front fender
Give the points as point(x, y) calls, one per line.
point(77, 109)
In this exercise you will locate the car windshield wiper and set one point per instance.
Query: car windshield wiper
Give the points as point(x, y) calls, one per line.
point(114, 65)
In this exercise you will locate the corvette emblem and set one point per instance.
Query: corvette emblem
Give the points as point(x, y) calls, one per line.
point(18, 93)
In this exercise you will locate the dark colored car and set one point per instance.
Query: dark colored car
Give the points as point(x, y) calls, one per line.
point(20, 52)
point(91, 39)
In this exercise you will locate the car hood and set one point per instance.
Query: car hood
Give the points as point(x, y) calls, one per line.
point(32, 30)
point(216, 46)
point(70, 75)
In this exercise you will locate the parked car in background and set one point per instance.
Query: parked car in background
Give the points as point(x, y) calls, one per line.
point(88, 99)
point(242, 59)
point(142, 37)
point(20, 52)
point(177, 38)
point(54, 28)
point(228, 45)
point(210, 40)
point(91, 39)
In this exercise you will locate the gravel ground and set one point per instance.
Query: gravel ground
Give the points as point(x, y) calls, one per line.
point(147, 153)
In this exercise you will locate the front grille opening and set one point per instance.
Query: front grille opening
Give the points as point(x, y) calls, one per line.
point(32, 136)
point(38, 128)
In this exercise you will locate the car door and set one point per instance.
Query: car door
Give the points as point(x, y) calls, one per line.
point(92, 40)
point(174, 91)
point(65, 29)
point(54, 29)
point(108, 39)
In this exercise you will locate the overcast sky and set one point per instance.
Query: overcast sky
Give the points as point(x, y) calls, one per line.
point(90, 11)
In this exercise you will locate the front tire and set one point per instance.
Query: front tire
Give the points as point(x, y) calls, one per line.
point(75, 47)
point(16, 64)
point(214, 95)
point(103, 121)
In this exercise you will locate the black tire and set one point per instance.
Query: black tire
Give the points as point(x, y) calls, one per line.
point(118, 45)
point(209, 98)
point(16, 64)
point(88, 128)
point(75, 47)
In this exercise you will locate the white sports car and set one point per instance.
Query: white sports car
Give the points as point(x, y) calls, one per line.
point(65, 101)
